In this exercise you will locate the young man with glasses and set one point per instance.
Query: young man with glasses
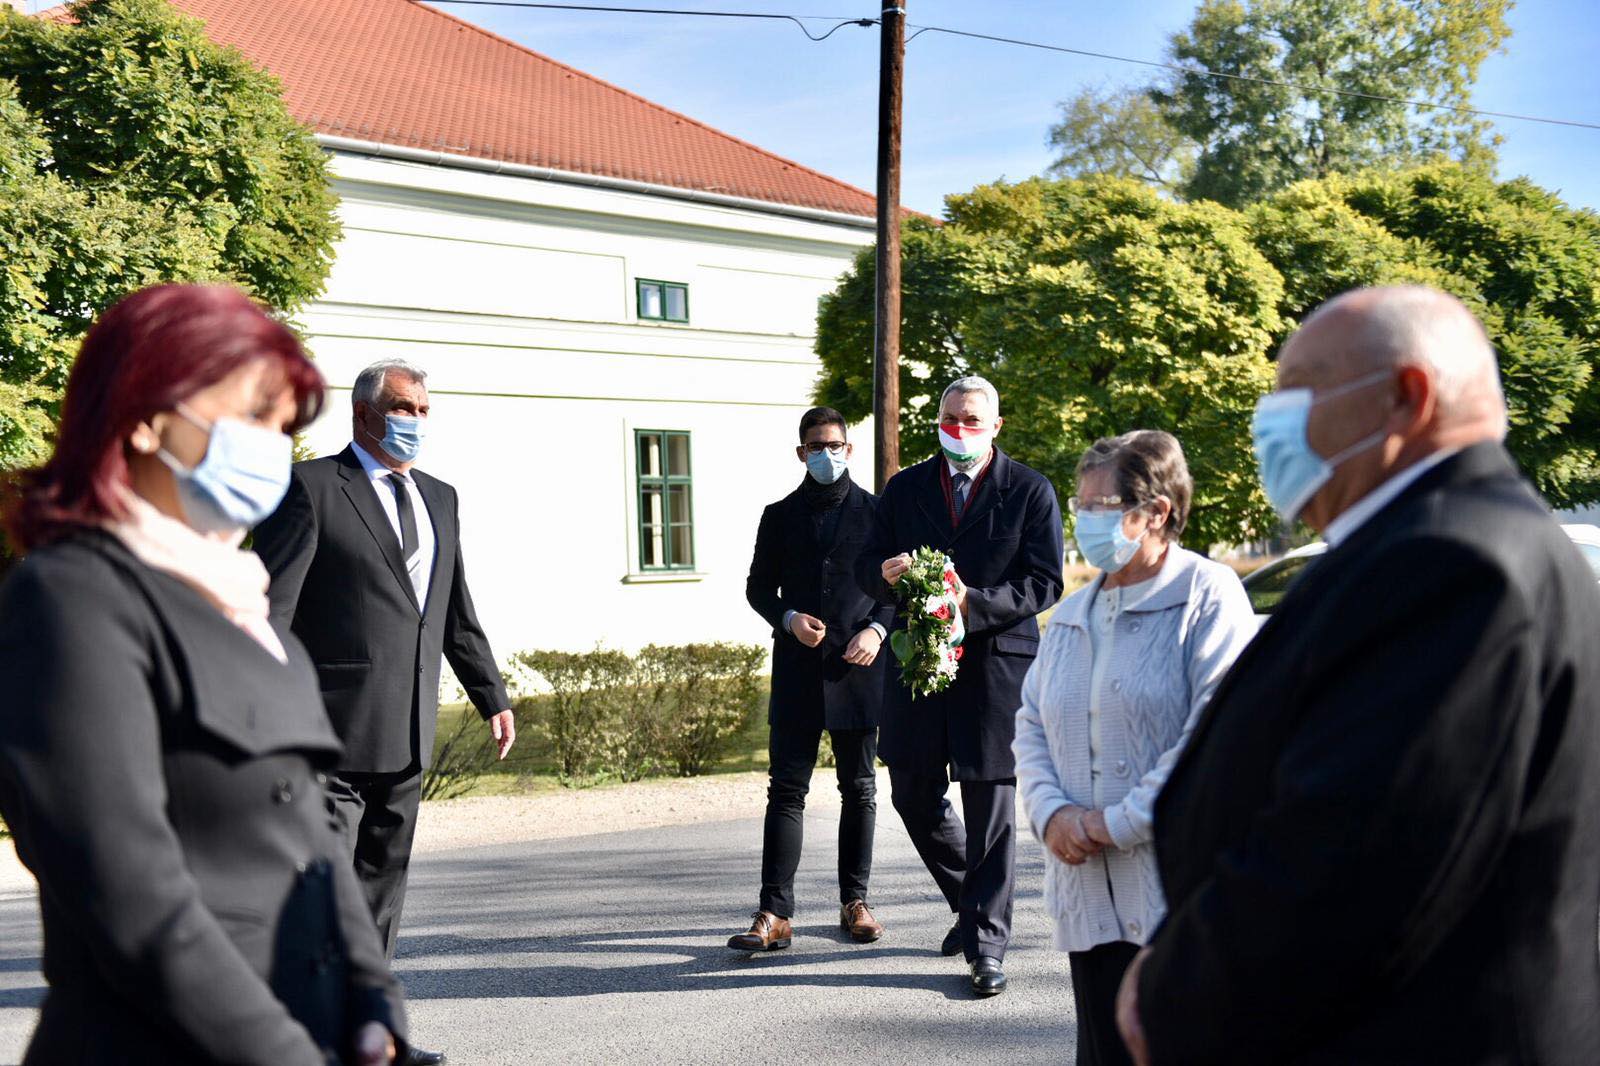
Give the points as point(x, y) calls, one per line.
point(826, 675)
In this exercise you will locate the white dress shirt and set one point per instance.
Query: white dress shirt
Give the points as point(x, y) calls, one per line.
point(420, 566)
point(1379, 498)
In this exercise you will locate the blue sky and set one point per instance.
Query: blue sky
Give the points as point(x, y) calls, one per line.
point(977, 111)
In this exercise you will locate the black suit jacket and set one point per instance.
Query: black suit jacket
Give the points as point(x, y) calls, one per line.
point(1382, 844)
point(158, 769)
point(338, 580)
point(1008, 550)
point(792, 570)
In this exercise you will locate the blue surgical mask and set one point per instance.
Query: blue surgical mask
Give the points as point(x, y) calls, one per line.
point(1291, 470)
point(826, 467)
point(402, 437)
point(241, 479)
point(1102, 542)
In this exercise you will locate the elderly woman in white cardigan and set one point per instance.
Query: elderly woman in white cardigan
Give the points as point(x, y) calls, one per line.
point(1125, 667)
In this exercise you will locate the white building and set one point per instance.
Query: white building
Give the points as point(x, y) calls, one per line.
point(615, 305)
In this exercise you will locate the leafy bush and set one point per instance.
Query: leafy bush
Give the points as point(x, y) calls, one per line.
point(703, 694)
point(459, 756)
point(587, 693)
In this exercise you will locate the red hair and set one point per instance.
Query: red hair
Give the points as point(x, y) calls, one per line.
point(145, 355)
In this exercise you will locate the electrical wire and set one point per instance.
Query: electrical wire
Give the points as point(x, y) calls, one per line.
point(796, 19)
point(1204, 73)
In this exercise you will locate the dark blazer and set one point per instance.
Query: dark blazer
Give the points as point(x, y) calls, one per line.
point(338, 580)
point(160, 772)
point(792, 570)
point(1382, 844)
point(1008, 550)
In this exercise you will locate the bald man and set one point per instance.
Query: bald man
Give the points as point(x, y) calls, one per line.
point(1383, 841)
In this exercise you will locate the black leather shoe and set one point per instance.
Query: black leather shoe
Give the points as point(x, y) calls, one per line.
point(417, 1057)
point(988, 979)
point(952, 942)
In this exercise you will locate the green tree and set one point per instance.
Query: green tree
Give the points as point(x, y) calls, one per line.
point(1095, 307)
point(134, 150)
point(1257, 137)
point(1120, 133)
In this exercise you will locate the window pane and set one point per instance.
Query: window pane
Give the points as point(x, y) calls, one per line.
point(1267, 588)
point(649, 455)
point(682, 546)
point(1592, 553)
point(678, 455)
point(651, 505)
point(680, 505)
point(653, 546)
point(649, 300)
point(678, 303)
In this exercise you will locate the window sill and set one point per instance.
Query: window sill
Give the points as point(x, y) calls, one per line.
point(665, 577)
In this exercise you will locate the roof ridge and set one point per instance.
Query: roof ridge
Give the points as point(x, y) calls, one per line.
point(641, 99)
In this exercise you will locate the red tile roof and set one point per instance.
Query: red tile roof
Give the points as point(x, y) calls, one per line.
point(401, 73)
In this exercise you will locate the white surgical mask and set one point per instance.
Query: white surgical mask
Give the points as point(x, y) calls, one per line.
point(241, 479)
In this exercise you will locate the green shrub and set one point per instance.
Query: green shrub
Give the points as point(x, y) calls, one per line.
point(703, 695)
point(588, 693)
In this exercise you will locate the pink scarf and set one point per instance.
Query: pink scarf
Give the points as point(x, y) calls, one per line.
point(232, 581)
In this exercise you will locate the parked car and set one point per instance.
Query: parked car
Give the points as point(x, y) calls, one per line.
point(1268, 584)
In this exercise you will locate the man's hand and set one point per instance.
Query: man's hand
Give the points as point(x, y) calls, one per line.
point(863, 647)
point(1067, 838)
point(1128, 1023)
point(1094, 823)
point(374, 1045)
point(894, 569)
point(807, 629)
point(503, 727)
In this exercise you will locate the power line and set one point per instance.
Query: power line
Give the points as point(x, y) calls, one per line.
point(1203, 72)
point(798, 20)
point(839, 22)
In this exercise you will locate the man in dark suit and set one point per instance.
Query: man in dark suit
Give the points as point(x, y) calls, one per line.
point(1383, 841)
point(826, 674)
point(1000, 524)
point(365, 558)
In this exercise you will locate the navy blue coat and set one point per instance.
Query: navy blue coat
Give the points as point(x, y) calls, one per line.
point(1008, 550)
point(792, 570)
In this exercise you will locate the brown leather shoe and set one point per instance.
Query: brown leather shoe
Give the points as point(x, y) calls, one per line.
point(855, 919)
point(768, 932)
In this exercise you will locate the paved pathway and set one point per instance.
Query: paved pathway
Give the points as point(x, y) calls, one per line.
point(611, 949)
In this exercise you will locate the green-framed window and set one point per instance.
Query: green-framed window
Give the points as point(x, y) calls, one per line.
point(663, 301)
point(666, 499)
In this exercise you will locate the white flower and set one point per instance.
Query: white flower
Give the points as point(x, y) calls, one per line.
point(933, 604)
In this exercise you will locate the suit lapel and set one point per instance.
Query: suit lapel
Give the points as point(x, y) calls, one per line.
point(990, 492)
point(442, 517)
point(362, 494)
point(932, 504)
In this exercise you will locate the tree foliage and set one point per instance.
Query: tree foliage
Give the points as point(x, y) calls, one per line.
point(133, 150)
point(1272, 123)
point(1097, 306)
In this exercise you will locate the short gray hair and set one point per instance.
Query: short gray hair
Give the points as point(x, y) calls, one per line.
point(972, 383)
point(370, 382)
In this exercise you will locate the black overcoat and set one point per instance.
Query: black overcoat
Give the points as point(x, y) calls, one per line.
point(1008, 550)
point(1382, 844)
point(793, 570)
point(161, 773)
point(339, 581)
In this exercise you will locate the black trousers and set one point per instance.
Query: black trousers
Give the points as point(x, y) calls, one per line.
point(973, 864)
point(379, 812)
point(1096, 976)
point(793, 755)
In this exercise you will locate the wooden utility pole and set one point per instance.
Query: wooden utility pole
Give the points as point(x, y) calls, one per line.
point(886, 339)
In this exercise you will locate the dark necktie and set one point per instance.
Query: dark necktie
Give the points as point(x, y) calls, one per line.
point(958, 493)
point(408, 530)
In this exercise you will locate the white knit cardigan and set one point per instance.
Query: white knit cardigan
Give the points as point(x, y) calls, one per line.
point(1170, 650)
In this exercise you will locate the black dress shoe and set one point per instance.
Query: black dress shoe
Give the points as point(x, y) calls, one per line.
point(952, 942)
point(988, 979)
point(417, 1057)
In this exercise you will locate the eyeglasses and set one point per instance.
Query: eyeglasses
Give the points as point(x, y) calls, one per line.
point(832, 447)
point(1092, 504)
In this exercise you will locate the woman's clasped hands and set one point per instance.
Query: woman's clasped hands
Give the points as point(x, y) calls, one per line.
point(1076, 834)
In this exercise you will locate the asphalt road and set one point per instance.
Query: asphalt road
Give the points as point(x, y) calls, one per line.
point(611, 949)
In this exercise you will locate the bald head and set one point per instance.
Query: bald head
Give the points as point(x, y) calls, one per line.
point(1387, 328)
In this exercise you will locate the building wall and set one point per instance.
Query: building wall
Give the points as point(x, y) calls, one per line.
point(517, 297)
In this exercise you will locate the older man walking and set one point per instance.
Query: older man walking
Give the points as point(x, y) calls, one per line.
point(1000, 524)
point(1383, 841)
point(365, 558)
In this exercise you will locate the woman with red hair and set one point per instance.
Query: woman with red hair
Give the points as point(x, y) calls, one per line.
point(162, 743)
